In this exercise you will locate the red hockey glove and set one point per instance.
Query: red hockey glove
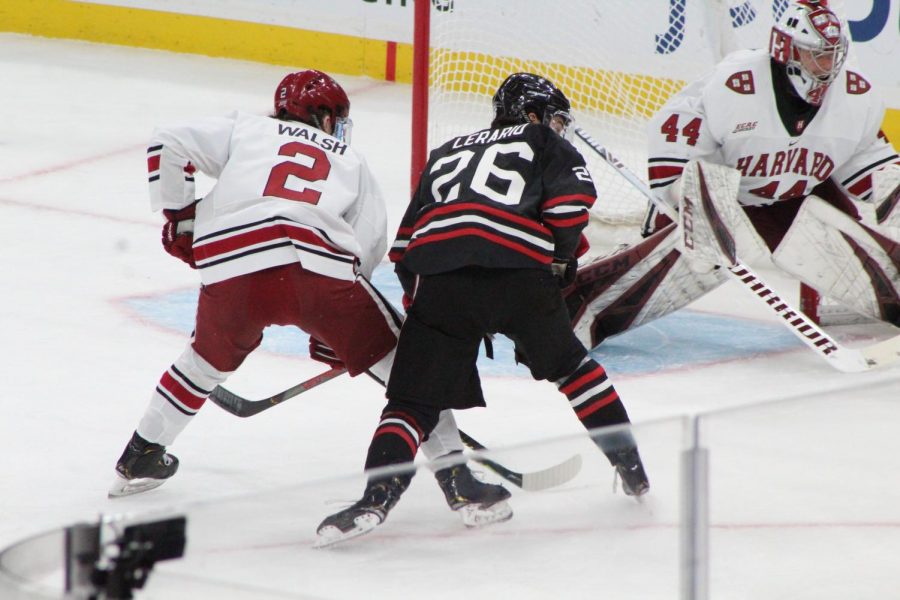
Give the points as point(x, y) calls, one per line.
point(323, 353)
point(583, 246)
point(178, 233)
point(565, 270)
point(406, 301)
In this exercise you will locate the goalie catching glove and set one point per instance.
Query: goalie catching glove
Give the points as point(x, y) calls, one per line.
point(178, 233)
point(323, 353)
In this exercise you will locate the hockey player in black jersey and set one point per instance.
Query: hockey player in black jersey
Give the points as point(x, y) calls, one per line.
point(488, 240)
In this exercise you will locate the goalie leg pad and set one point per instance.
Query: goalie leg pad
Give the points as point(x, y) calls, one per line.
point(886, 186)
point(635, 286)
point(714, 227)
point(843, 259)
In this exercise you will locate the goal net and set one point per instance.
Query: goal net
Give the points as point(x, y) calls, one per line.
point(617, 61)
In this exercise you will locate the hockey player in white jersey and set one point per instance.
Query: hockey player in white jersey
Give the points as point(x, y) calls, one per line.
point(289, 235)
point(802, 130)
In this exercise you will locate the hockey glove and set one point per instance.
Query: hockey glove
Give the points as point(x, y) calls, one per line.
point(406, 301)
point(564, 270)
point(178, 233)
point(323, 353)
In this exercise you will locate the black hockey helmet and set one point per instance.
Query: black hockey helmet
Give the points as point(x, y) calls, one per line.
point(523, 93)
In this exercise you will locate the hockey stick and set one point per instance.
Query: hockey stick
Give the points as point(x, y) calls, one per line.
point(531, 481)
point(242, 407)
point(848, 360)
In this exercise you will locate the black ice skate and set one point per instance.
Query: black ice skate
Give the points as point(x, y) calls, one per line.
point(366, 514)
point(142, 466)
point(631, 471)
point(478, 503)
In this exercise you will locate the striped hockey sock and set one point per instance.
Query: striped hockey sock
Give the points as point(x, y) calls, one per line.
point(396, 440)
point(596, 403)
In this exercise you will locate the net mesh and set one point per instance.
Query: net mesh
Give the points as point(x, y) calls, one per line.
point(617, 61)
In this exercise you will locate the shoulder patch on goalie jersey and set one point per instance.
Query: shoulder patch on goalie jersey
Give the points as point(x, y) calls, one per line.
point(741, 82)
point(857, 84)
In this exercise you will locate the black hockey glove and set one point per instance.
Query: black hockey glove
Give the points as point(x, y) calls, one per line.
point(565, 270)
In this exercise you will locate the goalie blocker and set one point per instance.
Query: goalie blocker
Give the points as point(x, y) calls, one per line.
point(810, 239)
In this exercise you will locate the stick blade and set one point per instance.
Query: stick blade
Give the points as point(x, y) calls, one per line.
point(228, 401)
point(883, 353)
point(552, 476)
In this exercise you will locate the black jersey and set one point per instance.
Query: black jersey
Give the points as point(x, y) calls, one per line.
point(511, 197)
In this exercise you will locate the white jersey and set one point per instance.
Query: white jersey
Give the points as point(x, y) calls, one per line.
point(730, 117)
point(285, 192)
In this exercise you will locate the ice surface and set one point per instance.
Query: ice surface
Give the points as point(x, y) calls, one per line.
point(803, 494)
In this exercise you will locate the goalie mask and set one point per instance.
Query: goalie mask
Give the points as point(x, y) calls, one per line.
point(309, 96)
point(524, 93)
point(809, 40)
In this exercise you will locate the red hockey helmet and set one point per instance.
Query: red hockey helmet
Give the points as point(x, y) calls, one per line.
point(304, 96)
point(809, 40)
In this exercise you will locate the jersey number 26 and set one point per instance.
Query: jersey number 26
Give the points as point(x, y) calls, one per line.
point(486, 167)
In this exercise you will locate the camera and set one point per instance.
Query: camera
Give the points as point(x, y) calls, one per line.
point(97, 569)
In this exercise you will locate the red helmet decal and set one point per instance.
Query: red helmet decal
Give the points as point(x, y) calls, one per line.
point(816, 95)
point(826, 25)
point(780, 46)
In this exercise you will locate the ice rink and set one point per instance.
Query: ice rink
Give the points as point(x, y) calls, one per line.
point(804, 493)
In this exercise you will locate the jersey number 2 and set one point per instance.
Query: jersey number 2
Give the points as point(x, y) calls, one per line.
point(315, 167)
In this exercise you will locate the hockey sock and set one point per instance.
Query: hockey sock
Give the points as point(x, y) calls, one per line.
point(396, 440)
point(181, 392)
point(596, 403)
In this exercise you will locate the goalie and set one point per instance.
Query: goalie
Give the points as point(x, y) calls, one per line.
point(790, 144)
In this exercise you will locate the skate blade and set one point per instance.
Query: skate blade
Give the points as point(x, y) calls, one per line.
point(331, 535)
point(128, 487)
point(474, 515)
point(637, 494)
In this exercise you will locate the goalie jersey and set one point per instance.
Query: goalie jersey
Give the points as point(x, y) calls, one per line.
point(286, 193)
point(510, 197)
point(732, 117)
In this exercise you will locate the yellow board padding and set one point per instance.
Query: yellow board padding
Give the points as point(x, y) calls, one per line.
point(891, 127)
point(588, 89)
point(271, 44)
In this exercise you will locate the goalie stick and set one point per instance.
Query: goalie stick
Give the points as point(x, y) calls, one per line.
point(848, 360)
point(533, 481)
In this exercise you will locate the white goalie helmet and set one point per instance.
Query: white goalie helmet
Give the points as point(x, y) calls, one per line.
point(809, 40)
